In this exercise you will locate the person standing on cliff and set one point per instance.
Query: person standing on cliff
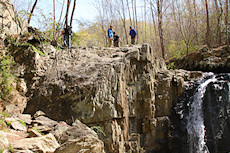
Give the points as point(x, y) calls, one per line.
point(67, 33)
point(110, 35)
point(117, 40)
point(133, 34)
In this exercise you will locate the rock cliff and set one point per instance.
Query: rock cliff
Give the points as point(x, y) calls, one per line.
point(9, 19)
point(127, 92)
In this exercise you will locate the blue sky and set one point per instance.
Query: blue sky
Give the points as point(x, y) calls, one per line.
point(84, 12)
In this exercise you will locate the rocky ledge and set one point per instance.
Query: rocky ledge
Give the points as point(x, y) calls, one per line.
point(207, 60)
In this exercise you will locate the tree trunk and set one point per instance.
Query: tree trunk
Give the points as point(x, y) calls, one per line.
point(218, 14)
point(130, 19)
point(145, 22)
point(133, 14)
point(226, 22)
point(135, 9)
point(67, 12)
point(124, 24)
point(154, 22)
point(71, 20)
point(159, 11)
point(196, 23)
point(207, 23)
point(32, 10)
point(54, 22)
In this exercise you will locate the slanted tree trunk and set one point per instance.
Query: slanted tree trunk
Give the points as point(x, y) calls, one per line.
point(32, 10)
point(67, 12)
point(71, 20)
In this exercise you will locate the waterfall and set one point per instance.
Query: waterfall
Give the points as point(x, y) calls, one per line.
point(201, 116)
point(195, 125)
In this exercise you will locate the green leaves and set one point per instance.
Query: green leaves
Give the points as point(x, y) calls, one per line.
point(6, 78)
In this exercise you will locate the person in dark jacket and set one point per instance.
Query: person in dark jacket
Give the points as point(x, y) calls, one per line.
point(133, 35)
point(116, 40)
point(110, 35)
point(67, 33)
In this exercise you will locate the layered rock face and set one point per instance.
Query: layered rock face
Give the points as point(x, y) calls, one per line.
point(9, 20)
point(127, 92)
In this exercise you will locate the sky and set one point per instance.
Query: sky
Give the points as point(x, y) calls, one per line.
point(85, 11)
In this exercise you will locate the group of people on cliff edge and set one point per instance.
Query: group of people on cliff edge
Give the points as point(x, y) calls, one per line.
point(114, 39)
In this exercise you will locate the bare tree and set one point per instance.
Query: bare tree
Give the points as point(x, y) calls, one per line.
point(71, 20)
point(196, 22)
point(160, 28)
point(54, 22)
point(124, 20)
point(130, 19)
point(207, 24)
point(226, 21)
point(32, 10)
point(67, 12)
point(218, 14)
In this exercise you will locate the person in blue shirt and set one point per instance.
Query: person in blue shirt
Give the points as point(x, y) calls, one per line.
point(110, 35)
point(133, 35)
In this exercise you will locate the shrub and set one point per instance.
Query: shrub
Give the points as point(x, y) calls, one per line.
point(6, 78)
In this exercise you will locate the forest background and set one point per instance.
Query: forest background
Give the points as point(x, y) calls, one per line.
point(173, 28)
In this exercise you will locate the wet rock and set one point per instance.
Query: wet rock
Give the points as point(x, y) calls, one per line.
point(217, 116)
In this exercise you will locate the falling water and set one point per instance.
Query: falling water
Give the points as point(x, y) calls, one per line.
point(195, 125)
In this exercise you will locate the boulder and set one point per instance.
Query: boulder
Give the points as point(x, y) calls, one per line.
point(85, 144)
point(80, 138)
point(45, 143)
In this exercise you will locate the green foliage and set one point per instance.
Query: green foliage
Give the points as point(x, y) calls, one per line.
point(76, 39)
point(170, 66)
point(5, 114)
point(36, 129)
point(11, 148)
point(98, 130)
point(2, 124)
point(35, 49)
point(22, 122)
point(6, 78)
point(178, 49)
point(19, 43)
point(1, 150)
point(130, 83)
point(9, 123)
